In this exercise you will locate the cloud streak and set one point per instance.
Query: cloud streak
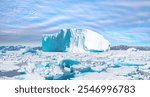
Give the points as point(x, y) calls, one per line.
point(120, 21)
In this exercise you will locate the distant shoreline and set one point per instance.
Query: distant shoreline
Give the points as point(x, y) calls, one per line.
point(125, 47)
point(119, 47)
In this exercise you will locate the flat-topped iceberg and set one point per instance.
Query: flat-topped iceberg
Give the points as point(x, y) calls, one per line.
point(74, 40)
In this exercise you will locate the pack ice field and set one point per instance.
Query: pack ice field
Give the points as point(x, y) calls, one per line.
point(81, 55)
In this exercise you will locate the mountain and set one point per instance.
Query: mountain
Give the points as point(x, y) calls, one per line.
point(74, 40)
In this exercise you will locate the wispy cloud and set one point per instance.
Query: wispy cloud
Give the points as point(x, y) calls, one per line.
point(120, 21)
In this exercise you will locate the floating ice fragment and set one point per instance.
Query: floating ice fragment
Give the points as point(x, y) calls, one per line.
point(68, 63)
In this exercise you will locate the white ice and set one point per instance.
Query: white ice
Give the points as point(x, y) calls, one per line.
point(93, 66)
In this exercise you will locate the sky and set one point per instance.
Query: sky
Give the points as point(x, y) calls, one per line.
point(122, 22)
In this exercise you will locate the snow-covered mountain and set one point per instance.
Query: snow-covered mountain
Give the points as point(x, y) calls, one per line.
point(74, 40)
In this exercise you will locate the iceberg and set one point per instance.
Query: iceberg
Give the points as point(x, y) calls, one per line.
point(74, 40)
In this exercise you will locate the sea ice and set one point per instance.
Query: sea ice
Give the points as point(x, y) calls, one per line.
point(112, 65)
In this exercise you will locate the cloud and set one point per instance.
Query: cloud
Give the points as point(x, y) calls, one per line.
point(127, 20)
point(130, 3)
point(47, 22)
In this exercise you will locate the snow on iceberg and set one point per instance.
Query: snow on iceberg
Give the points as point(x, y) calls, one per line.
point(74, 40)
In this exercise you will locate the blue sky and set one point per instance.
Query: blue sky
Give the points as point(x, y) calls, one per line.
point(122, 22)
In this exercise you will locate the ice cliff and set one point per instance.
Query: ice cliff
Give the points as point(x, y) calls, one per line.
point(74, 40)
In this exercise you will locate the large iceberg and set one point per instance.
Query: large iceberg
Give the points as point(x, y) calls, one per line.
point(74, 40)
